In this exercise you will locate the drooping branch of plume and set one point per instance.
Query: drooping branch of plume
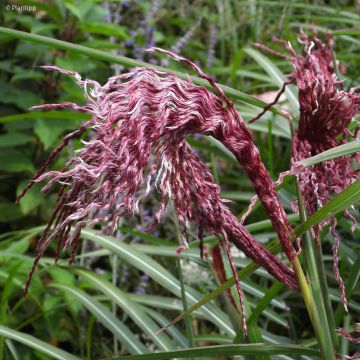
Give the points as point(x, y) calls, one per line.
point(233, 133)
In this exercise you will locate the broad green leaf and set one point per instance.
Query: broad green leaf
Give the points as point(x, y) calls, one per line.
point(21, 98)
point(9, 212)
point(49, 132)
point(14, 139)
point(6, 293)
point(105, 29)
point(79, 8)
point(13, 161)
point(32, 198)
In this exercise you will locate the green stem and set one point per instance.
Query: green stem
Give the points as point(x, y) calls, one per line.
point(312, 295)
point(321, 330)
point(185, 306)
point(325, 295)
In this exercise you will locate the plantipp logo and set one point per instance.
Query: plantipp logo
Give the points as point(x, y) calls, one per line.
point(20, 8)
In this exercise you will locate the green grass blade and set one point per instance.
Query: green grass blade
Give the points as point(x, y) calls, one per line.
point(49, 115)
point(148, 237)
point(129, 307)
point(338, 151)
point(12, 349)
point(350, 287)
point(275, 73)
point(313, 8)
point(36, 344)
point(188, 319)
point(254, 334)
point(173, 331)
point(223, 350)
point(127, 62)
point(159, 274)
point(344, 346)
point(339, 203)
point(264, 302)
point(322, 319)
point(104, 315)
point(6, 292)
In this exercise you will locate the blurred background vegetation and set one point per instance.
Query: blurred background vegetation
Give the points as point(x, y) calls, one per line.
point(80, 310)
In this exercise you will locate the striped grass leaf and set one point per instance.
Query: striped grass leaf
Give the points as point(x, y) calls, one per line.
point(276, 74)
point(129, 307)
point(223, 350)
point(264, 302)
point(161, 320)
point(335, 152)
point(159, 274)
point(104, 315)
point(339, 203)
point(161, 302)
point(36, 344)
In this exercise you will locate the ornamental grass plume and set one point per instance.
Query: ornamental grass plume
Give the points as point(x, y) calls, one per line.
point(141, 120)
point(326, 110)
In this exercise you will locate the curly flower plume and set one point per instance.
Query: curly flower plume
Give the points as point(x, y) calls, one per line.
point(326, 110)
point(140, 120)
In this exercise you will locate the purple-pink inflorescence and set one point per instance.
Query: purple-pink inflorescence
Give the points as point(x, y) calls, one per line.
point(353, 339)
point(140, 120)
point(326, 110)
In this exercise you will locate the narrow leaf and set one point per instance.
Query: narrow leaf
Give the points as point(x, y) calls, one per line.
point(36, 344)
point(127, 62)
point(222, 350)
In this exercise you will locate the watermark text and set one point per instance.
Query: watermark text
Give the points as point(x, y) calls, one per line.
point(20, 8)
